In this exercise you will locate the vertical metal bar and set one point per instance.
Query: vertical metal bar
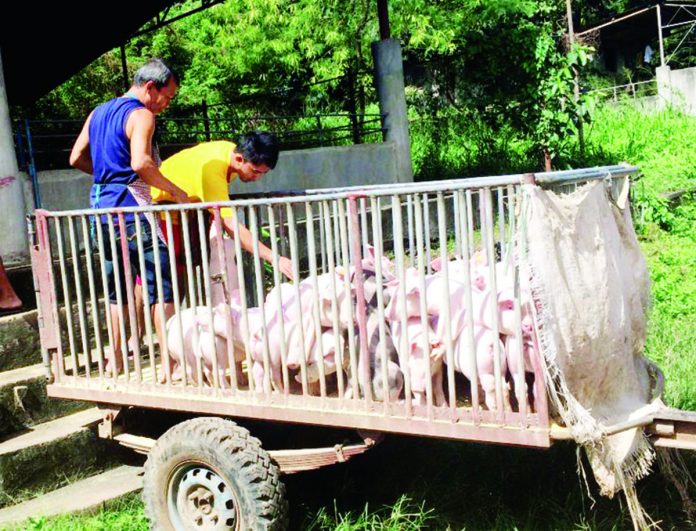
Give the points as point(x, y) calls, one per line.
point(501, 220)
point(354, 376)
point(457, 224)
point(56, 358)
point(363, 225)
point(32, 168)
point(294, 256)
point(130, 297)
point(197, 297)
point(322, 244)
point(119, 296)
point(337, 236)
point(229, 332)
point(379, 250)
point(425, 321)
point(336, 328)
point(470, 365)
point(470, 220)
point(159, 304)
point(442, 227)
point(107, 302)
point(659, 34)
point(67, 299)
point(361, 309)
point(175, 290)
point(512, 217)
point(89, 260)
point(426, 223)
point(521, 389)
point(279, 299)
point(242, 295)
point(147, 304)
point(208, 303)
point(312, 251)
point(81, 314)
point(258, 276)
point(404, 357)
point(411, 232)
point(185, 226)
point(487, 239)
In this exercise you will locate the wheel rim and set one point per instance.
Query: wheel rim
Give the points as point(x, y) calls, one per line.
point(198, 498)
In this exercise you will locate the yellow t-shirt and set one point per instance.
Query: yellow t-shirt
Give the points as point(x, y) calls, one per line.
point(201, 172)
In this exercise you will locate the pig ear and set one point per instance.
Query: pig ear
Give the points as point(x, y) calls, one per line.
point(370, 252)
point(436, 264)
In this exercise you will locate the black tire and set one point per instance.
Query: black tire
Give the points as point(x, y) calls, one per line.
point(209, 473)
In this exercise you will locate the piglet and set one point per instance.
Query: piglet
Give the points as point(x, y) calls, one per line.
point(484, 354)
point(414, 357)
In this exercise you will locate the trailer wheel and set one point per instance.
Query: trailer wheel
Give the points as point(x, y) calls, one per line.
point(208, 473)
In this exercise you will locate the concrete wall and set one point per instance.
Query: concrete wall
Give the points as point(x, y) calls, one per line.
point(328, 168)
point(302, 169)
point(677, 88)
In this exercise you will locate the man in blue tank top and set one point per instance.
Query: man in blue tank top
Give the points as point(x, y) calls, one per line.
point(115, 146)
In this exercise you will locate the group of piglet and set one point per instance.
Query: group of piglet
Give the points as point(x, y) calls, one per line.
point(314, 317)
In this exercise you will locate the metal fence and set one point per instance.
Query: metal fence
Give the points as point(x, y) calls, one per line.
point(373, 333)
point(46, 144)
point(638, 89)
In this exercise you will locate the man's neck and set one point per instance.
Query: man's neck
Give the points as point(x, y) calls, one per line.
point(137, 93)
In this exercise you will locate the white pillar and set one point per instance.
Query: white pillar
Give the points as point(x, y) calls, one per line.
point(13, 229)
point(665, 94)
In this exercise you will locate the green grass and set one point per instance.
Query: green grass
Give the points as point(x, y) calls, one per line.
point(125, 514)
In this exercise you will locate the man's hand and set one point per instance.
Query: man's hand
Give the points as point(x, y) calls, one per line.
point(285, 265)
point(179, 195)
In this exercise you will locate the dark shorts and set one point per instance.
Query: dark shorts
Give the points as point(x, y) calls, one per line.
point(149, 277)
point(176, 239)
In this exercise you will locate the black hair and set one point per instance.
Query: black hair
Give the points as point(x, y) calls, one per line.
point(155, 70)
point(258, 147)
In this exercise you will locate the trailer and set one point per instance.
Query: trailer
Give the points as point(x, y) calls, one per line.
point(339, 347)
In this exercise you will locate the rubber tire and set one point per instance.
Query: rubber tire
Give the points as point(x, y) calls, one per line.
point(234, 455)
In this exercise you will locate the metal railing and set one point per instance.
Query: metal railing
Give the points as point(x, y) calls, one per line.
point(638, 89)
point(372, 334)
point(47, 143)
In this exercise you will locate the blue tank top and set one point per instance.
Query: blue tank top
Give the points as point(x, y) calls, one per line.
point(111, 158)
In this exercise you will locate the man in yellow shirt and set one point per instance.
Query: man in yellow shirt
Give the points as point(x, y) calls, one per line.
point(204, 173)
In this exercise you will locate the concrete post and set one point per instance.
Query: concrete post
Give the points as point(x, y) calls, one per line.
point(663, 76)
point(13, 242)
point(389, 81)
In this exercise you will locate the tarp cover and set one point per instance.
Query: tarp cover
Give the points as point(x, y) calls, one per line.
point(591, 288)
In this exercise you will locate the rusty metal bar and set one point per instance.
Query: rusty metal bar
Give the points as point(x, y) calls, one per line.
point(66, 297)
point(81, 314)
